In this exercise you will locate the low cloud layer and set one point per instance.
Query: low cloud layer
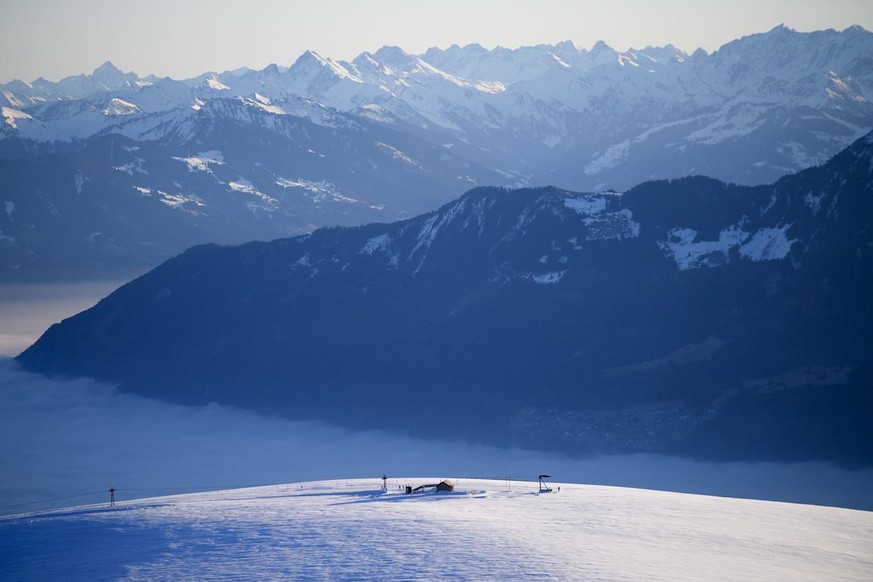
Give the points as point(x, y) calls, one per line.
point(65, 438)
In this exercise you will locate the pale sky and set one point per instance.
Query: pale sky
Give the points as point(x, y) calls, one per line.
point(183, 38)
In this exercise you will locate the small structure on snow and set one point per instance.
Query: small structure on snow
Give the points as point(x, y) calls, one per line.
point(444, 485)
point(544, 488)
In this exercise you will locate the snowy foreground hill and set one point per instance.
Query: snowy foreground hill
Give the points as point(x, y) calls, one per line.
point(494, 530)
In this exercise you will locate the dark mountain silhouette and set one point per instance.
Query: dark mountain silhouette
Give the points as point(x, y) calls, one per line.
point(686, 316)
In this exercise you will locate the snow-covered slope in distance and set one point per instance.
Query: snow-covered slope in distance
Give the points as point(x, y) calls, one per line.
point(484, 530)
point(581, 119)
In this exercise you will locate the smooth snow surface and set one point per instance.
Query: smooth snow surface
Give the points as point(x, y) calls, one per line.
point(485, 530)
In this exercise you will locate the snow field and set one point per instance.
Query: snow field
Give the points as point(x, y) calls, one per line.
point(486, 530)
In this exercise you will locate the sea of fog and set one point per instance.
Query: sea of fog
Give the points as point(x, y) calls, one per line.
point(65, 442)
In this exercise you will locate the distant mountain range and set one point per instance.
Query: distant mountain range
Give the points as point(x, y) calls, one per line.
point(687, 316)
point(112, 169)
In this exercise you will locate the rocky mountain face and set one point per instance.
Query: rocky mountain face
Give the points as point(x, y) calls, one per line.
point(260, 154)
point(684, 316)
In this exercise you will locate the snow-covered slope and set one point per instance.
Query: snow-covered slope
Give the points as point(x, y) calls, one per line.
point(484, 530)
point(756, 109)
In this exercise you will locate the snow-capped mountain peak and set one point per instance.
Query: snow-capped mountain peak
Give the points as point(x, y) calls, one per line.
point(394, 57)
point(117, 106)
point(107, 71)
point(585, 120)
point(310, 63)
point(272, 69)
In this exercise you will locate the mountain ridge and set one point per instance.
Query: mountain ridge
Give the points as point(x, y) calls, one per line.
point(662, 319)
point(417, 133)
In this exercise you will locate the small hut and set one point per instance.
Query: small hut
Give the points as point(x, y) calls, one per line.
point(444, 485)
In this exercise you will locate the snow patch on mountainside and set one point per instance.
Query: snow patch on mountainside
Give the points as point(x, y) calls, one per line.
point(242, 185)
point(261, 202)
point(600, 224)
point(215, 85)
point(13, 100)
point(137, 165)
point(263, 104)
point(733, 122)
point(304, 261)
point(798, 154)
point(381, 244)
point(588, 206)
point(317, 191)
point(813, 202)
point(397, 154)
point(79, 179)
point(609, 158)
point(768, 244)
point(10, 116)
point(120, 107)
point(377, 243)
point(612, 225)
point(688, 253)
point(551, 278)
point(27, 126)
point(202, 161)
point(186, 203)
point(432, 226)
